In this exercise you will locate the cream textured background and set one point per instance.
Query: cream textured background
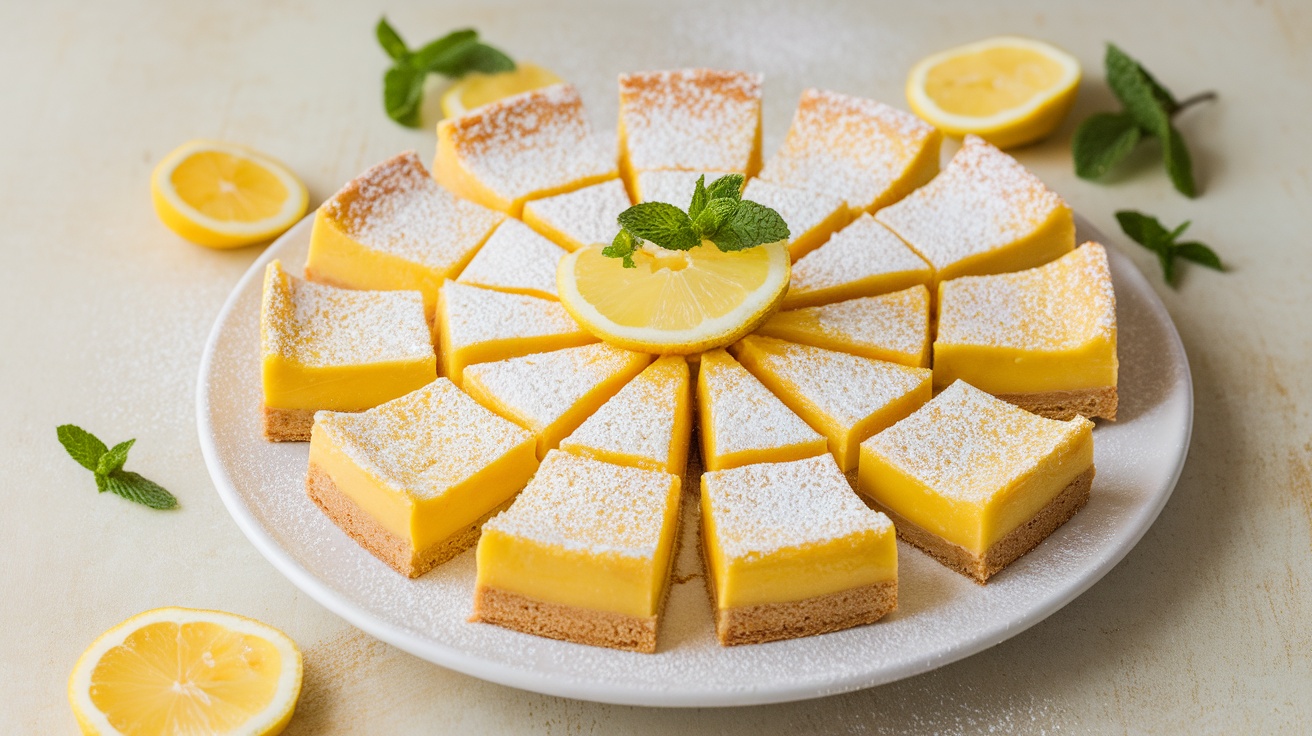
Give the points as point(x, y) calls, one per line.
point(1208, 622)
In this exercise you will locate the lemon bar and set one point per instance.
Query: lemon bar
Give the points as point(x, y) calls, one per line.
point(863, 259)
point(868, 153)
point(327, 348)
point(584, 554)
point(671, 186)
point(646, 425)
point(811, 216)
point(984, 214)
point(413, 480)
point(476, 325)
point(517, 260)
point(742, 422)
point(892, 327)
point(581, 217)
point(975, 481)
point(528, 146)
point(550, 394)
point(1043, 339)
point(393, 227)
point(691, 120)
point(844, 397)
point(792, 551)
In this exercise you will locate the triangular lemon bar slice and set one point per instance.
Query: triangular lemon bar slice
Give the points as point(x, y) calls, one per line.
point(792, 551)
point(476, 325)
point(412, 480)
point(845, 397)
point(393, 227)
point(646, 425)
point(984, 214)
point(517, 260)
point(581, 217)
point(1043, 339)
point(531, 145)
point(811, 216)
point(863, 259)
point(583, 555)
point(550, 394)
point(864, 151)
point(975, 481)
point(742, 423)
point(892, 327)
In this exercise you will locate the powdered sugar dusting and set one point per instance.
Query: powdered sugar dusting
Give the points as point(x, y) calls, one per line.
point(397, 208)
point(765, 508)
point(586, 215)
point(472, 315)
point(862, 250)
point(422, 443)
point(802, 209)
point(896, 323)
point(967, 445)
point(741, 411)
point(982, 201)
point(855, 147)
point(324, 326)
point(639, 420)
point(1058, 306)
point(582, 504)
point(515, 259)
point(671, 187)
point(691, 119)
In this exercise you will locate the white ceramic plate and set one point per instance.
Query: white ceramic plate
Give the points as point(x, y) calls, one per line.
point(941, 616)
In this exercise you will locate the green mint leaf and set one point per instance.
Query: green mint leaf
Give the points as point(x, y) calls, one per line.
point(729, 186)
point(102, 483)
point(113, 459)
point(1144, 229)
point(483, 58)
point(1167, 259)
point(623, 246)
point(1179, 230)
point(750, 225)
point(699, 199)
point(390, 40)
point(1102, 141)
point(1178, 164)
point(403, 91)
point(1131, 87)
point(713, 217)
point(1200, 254)
point(81, 445)
point(446, 55)
point(137, 489)
point(661, 223)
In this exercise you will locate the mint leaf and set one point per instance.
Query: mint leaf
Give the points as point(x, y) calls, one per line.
point(729, 186)
point(113, 459)
point(403, 91)
point(390, 40)
point(482, 58)
point(445, 53)
point(1200, 254)
point(750, 225)
point(1178, 164)
point(454, 55)
point(699, 198)
point(1102, 141)
point(1129, 84)
point(135, 488)
point(81, 445)
point(710, 220)
point(1151, 234)
point(623, 246)
point(661, 223)
point(1143, 229)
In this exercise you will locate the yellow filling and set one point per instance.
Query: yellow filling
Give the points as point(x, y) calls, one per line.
point(1014, 371)
point(289, 384)
point(1050, 240)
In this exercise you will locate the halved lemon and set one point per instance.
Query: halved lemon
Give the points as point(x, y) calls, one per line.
point(478, 89)
point(223, 195)
point(674, 302)
point(186, 671)
point(1007, 90)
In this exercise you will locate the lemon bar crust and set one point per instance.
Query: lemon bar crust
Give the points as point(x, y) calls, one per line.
point(1019, 541)
point(1065, 405)
point(807, 617)
point(568, 623)
point(381, 543)
point(286, 425)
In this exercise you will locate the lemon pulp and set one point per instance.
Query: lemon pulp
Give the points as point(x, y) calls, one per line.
point(478, 89)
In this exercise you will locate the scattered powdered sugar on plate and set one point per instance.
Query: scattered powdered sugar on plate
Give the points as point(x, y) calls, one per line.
point(515, 259)
point(743, 414)
point(690, 119)
point(639, 421)
point(861, 250)
point(585, 216)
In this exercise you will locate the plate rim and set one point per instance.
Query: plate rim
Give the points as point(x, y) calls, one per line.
point(454, 658)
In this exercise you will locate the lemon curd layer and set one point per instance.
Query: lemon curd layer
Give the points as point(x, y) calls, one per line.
point(393, 227)
point(970, 468)
point(863, 259)
point(327, 348)
point(426, 465)
point(646, 425)
point(892, 327)
point(782, 532)
point(1051, 328)
point(587, 534)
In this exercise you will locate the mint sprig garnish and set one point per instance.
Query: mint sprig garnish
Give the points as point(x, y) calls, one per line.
point(1105, 139)
point(106, 463)
point(453, 56)
point(717, 213)
point(1151, 234)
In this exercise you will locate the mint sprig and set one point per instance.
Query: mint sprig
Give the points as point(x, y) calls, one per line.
point(1151, 234)
point(1104, 139)
point(453, 56)
point(717, 213)
point(106, 463)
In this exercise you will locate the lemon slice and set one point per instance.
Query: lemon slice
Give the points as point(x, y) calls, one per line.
point(1008, 90)
point(478, 89)
point(223, 195)
point(674, 302)
point(184, 671)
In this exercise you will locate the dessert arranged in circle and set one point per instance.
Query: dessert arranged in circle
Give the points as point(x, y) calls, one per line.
point(557, 355)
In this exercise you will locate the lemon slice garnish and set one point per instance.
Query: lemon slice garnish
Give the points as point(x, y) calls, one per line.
point(1008, 90)
point(478, 89)
point(180, 670)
